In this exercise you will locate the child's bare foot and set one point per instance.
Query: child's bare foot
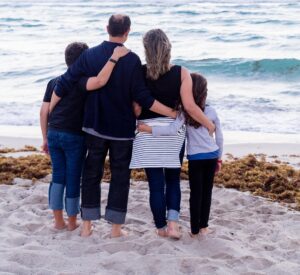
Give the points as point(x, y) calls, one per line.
point(206, 231)
point(162, 232)
point(72, 223)
point(117, 231)
point(173, 230)
point(59, 222)
point(60, 225)
point(86, 229)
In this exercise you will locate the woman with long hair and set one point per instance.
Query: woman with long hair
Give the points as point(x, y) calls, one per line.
point(162, 156)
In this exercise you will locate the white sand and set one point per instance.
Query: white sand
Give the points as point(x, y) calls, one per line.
point(253, 236)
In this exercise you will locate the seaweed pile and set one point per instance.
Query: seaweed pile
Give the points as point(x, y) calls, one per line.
point(31, 167)
point(27, 148)
point(276, 181)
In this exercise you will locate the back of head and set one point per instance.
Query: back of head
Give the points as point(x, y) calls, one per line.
point(73, 51)
point(118, 25)
point(158, 53)
point(199, 94)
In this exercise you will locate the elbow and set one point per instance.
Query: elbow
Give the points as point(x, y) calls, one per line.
point(101, 82)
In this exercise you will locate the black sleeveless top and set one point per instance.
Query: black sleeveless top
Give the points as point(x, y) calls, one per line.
point(166, 89)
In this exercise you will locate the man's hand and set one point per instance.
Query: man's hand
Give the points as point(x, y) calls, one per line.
point(144, 128)
point(44, 147)
point(119, 52)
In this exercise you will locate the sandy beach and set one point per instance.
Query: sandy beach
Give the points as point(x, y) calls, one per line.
point(252, 235)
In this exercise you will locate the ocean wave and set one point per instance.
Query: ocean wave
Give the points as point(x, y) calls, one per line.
point(284, 69)
point(237, 37)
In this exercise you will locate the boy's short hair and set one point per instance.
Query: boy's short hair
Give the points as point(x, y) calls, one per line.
point(73, 51)
point(118, 25)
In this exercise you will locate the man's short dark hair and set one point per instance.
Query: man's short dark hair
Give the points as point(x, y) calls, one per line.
point(118, 25)
point(73, 51)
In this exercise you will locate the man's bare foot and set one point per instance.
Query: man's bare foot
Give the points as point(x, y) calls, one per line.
point(194, 236)
point(173, 230)
point(72, 223)
point(59, 222)
point(206, 231)
point(86, 229)
point(162, 232)
point(117, 231)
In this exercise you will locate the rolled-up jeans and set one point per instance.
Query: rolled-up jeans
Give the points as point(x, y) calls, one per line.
point(165, 193)
point(119, 157)
point(67, 155)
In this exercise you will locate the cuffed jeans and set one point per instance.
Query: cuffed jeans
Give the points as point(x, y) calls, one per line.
point(67, 154)
point(201, 178)
point(119, 157)
point(165, 193)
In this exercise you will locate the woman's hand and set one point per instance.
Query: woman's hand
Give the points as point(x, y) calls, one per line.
point(119, 52)
point(144, 128)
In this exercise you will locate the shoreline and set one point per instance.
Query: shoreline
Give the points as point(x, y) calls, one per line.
point(230, 137)
point(284, 151)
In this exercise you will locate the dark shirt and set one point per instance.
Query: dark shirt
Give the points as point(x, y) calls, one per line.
point(108, 111)
point(166, 89)
point(68, 113)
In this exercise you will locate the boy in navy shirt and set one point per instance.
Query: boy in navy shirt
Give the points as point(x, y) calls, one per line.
point(63, 137)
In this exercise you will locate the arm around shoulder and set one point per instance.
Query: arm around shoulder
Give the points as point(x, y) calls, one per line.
point(187, 98)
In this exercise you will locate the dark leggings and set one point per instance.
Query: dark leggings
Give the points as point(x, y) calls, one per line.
point(201, 177)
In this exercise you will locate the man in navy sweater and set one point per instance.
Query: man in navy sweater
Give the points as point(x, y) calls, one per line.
point(109, 123)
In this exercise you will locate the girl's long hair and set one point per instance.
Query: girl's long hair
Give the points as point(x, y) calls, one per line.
point(199, 94)
point(158, 53)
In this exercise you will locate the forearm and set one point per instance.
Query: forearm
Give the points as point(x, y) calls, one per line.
point(197, 114)
point(44, 121)
point(102, 78)
point(169, 130)
point(159, 108)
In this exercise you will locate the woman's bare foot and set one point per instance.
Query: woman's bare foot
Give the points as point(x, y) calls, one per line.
point(206, 231)
point(173, 230)
point(162, 232)
point(59, 222)
point(86, 229)
point(117, 231)
point(72, 223)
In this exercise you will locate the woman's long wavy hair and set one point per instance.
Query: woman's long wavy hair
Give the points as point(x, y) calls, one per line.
point(158, 53)
point(199, 94)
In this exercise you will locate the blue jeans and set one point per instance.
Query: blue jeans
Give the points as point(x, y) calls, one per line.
point(67, 154)
point(165, 194)
point(119, 158)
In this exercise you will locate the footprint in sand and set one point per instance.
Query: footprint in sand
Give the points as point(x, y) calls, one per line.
point(256, 263)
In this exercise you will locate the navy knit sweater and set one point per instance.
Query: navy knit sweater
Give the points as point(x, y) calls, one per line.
point(108, 110)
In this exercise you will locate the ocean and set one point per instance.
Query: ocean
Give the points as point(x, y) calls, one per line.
point(248, 50)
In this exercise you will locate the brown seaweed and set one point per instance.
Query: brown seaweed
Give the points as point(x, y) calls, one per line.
point(276, 181)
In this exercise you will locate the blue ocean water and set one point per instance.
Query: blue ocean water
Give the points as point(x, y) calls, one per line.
point(248, 50)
